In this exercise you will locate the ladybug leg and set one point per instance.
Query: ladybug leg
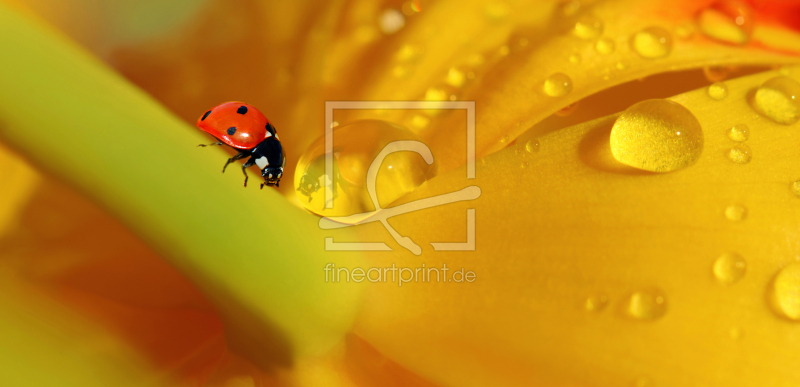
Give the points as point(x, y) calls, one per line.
point(238, 156)
point(246, 165)
point(212, 144)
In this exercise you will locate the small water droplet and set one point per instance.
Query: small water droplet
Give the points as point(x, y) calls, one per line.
point(729, 268)
point(455, 77)
point(588, 27)
point(784, 292)
point(575, 58)
point(524, 164)
point(391, 21)
point(532, 146)
point(717, 73)
point(736, 212)
point(595, 303)
point(736, 333)
point(740, 154)
point(652, 43)
point(557, 85)
point(504, 140)
point(730, 21)
point(739, 133)
point(796, 188)
point(604, 46)
point(567, 110)
point(650, 304)
point(779, 100)
point(718, 91)
point(657, 135)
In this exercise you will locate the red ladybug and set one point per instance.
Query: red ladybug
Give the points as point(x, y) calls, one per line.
point(244, 128)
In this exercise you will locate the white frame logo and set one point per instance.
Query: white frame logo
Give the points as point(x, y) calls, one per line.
point(381, 214)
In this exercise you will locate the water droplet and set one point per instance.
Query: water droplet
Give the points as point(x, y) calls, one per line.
point(718, 91)
point(736, 333)
point(652, 42)
point(740, 154)
point(784, 292)
point(557, 85)
point(595, 303)
point(588, 27)
point(650, 304)
point(779, 99)
point(796, 188)
point(391, 21)
point(575, 58)
point(455, 77)
point(604, 46)
point(736, 212)
point(729, 268)
point(532, 146)
point(524, 164)
point(567, 110)
point(739, 133)
point(657, 135)
point(730, 21)
point(504, 139)
point(357, 145)
point(717, 73)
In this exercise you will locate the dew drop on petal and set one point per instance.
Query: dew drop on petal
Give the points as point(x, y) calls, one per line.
point(718, 91)
point(739, 133)
point(729, 21)
point(779, 100)
point(557, 85)
point(784, 293)
point(740, 154)
point(650, 304)
point(604, 46)
point(588, 27)
point(657, 135)
point(652, 43)
point(796, 188)
point(736, 212)
point(532, 146)
point(729, 268)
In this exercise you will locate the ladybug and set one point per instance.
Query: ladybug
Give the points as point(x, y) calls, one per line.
point(247, 130)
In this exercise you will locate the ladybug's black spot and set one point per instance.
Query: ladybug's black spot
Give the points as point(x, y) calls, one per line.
point(231, 130)
point(242, 110)
point(205, 115)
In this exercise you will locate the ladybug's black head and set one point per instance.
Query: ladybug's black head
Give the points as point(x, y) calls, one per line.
point(308, 185)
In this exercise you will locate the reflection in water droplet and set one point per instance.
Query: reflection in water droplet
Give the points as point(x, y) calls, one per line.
point(532, 146)
point(604, 46)
point(784, 295)
point(739, 133)
point(650, 304)
point(718, 91)
point(730, 21)
point(356, 145)
point(588, 27)
point(736, 212)
point(729, 268)
point(557, 85)
point(796, 188)
point(652, 42)
point(575, 58)
point(740, 154)
point(567, 110)
point(779, 99)
point(595, 303)
point(658, 136)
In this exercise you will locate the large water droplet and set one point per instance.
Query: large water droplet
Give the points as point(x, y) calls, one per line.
point(779, 99)
point(652, 42)
point(588, 27)
point(718, 91)
point(730, 21)
point(729, 268)
point(355, 147)
point(784, 292)
point(736, 212)
point(604, 46)
point(657, 135)
point(557, 85)
point(739, 133)
point(650, 304)
point(740, 154)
